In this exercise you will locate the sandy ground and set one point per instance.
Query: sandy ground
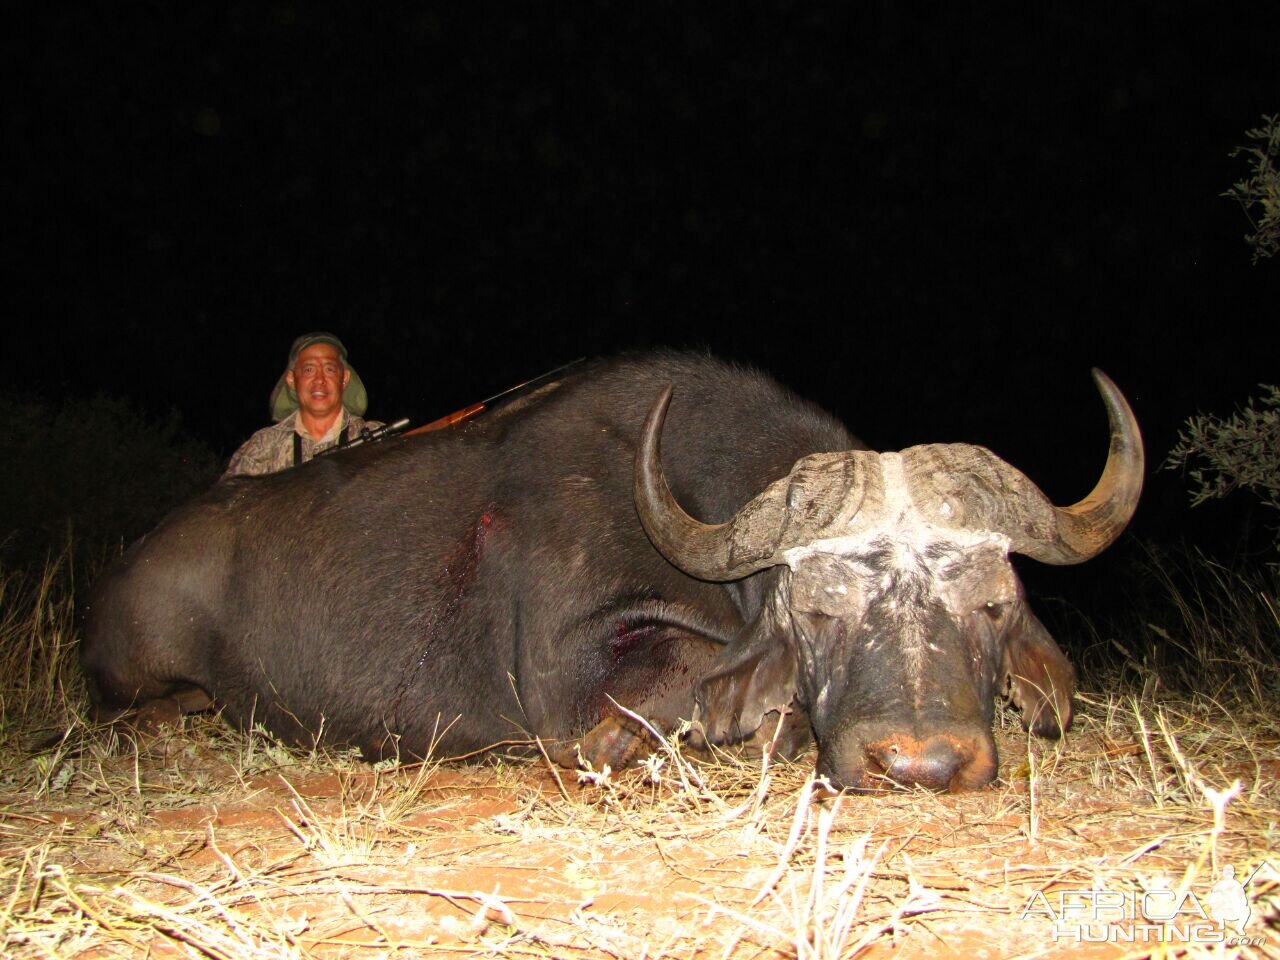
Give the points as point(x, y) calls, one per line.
point(208, 843)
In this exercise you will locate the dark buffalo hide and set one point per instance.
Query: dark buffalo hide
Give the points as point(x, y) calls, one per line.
point(495, 581)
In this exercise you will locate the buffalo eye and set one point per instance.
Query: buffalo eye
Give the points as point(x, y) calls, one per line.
point(994, 610)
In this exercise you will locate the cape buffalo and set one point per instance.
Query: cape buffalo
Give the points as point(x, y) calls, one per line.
point(526, 573)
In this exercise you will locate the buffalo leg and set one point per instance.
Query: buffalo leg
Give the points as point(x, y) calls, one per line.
point(148, 717)
point(653, 680)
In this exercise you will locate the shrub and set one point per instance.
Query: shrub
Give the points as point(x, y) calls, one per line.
point(1241, 452)
point(97, 473)
point(1259, 194)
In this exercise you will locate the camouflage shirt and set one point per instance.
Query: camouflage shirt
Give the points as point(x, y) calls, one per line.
point(271, 448)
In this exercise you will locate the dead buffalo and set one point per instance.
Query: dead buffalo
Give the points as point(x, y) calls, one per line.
point(747, 566)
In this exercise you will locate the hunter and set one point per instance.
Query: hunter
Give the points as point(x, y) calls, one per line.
point(317, 403)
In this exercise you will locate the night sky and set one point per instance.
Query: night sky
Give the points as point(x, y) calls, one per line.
point(931, 221)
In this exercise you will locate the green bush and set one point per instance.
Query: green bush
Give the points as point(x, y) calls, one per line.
point(94, 473)
point(1241, 452)
point(1259, 194)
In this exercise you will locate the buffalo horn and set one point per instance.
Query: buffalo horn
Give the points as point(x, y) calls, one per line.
point(1085, 529)
point(707, 551)
point(1005, 501)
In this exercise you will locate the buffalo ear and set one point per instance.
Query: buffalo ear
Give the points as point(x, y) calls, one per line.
point(1041, 679)
point(732, 700)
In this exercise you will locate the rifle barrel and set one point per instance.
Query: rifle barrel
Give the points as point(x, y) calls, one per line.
point(466, 413)
point(520, 386)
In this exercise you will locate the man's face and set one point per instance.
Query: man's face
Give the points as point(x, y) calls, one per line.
point(319, 377)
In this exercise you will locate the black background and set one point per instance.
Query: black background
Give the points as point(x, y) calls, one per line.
point(932, 219)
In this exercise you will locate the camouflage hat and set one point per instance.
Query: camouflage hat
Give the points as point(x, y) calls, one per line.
point(284, 401)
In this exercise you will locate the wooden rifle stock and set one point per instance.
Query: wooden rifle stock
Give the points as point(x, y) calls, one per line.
point(466, 413)
point(449, 419)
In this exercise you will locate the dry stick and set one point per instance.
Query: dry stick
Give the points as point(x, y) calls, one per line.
point(880, 929)
point(844, 909)
point(677, 761)
point(364, 918)
point(227, 862)
point(37, 878)
point(491, 906)
point(175, 929)
point(1135, 855)
point(92, 912)
point(6, 915)
point(485, 749)
point(1156, 792)
point(820, 858)
point(487, 903)
point(11, 815)
point(1218, 799)
point(863, 874)
point(1032, 812)
point(845, 913)
point(554, 772)
point(381, 890)
point(340, 940)
point(743, 918)
point(756, 800)
point(793, 838)
point(858, 875)
point(235, 871)
point(536, 950)
point(202, 895)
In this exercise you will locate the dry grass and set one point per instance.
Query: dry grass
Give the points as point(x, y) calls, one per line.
point(210, 843)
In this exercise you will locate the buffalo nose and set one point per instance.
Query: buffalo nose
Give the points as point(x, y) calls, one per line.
point(938, 762)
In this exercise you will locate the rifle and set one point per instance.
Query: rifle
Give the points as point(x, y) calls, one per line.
point(466, 413)
point(372, 435)
point(368, 435)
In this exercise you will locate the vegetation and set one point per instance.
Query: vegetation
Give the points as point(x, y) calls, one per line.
point(1259, 193)
point(1241, 452)
point(205, 842)
point(97, 473)
point(201, 841)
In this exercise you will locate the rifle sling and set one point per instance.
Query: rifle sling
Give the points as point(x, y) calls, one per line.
point(343, 439)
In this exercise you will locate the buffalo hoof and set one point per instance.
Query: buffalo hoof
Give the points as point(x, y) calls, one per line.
point(618, 742)
point(781, 734)
point(150, 719)
point(154, 715)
